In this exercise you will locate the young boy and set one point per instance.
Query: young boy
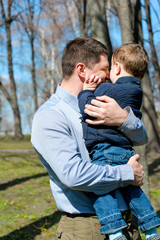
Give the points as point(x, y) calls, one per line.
point(107, 145)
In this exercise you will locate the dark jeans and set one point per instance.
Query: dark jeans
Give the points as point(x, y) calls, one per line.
point(106, 206)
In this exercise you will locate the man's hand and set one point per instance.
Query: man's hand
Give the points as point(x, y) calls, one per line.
point(137, 169)
point(106, 111)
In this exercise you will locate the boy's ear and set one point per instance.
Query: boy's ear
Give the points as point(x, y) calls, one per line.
point(118, 68)
point(81, 70)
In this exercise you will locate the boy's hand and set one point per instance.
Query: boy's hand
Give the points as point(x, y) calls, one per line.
point(92, 82)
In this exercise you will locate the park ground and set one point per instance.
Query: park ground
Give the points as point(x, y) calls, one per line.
point(27, 208)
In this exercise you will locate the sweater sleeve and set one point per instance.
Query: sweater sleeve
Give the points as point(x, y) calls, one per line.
point(85, 97)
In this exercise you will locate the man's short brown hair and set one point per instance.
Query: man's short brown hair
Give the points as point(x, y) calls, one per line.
point(82, 49)
point(134, 58)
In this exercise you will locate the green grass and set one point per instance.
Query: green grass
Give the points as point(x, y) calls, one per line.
point(27, 207)
point(13, 143)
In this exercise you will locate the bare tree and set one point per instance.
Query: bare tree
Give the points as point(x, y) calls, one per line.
point(124, 10)
point(99, 27)
point(83, 15)
point(148, 108)
point(48, 44)
point(29, 22)
point(11, 96)
point(70, 8)
point(55, 22)
point(154, 57)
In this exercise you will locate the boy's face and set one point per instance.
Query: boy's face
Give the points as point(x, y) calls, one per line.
point(100, 69)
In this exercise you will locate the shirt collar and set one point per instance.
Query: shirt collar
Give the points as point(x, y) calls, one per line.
point(69, 98)
point(128, 79)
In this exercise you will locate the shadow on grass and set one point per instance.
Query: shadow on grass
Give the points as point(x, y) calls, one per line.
point(152, 167)
point(30, 231)
point(158, 213)
point(4, 186)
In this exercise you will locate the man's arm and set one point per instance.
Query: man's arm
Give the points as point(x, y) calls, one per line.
point(52, 138)
point(134, 129)
point(107, 111)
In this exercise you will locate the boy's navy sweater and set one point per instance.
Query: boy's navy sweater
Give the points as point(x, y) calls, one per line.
point(127, 92)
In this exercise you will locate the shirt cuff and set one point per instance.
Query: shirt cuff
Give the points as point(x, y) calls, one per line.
point(131, 121)
point(127, 175)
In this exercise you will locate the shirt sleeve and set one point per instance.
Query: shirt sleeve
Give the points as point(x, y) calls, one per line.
point(134, 129)
point(52, 138)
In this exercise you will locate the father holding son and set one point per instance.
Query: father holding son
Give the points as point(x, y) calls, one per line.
point(58, 139)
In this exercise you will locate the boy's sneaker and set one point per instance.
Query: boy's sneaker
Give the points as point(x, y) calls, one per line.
point(154, 237)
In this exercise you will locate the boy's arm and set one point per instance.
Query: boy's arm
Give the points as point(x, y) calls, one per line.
point(87, 95)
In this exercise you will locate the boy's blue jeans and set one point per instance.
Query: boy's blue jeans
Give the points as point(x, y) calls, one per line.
point(106, 206)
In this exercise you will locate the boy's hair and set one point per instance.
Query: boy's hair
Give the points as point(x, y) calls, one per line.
point(82, 49)
point(134, 58)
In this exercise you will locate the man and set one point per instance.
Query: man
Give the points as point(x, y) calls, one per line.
point(58, 139)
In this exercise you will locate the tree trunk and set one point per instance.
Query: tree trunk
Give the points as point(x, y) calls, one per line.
point(148, 108)
point(82, 8)
point(14, 103)
point(149, 116)
point(34, 74)
point(154, 57)
point(69, 7)
point(138, 36)
point(31, 33)
point(13, 98)
point(99, 28)
point(124, 12)
point(143, 160)
point(137, 19)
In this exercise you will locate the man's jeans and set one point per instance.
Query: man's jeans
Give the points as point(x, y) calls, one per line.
point(106, 206)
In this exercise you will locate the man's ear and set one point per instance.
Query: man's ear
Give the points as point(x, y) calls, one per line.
point(117, 68)
point(81, 70)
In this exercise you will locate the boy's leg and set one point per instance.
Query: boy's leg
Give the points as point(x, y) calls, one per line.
point(141, 208)
point(108, 213)
point(106, 206)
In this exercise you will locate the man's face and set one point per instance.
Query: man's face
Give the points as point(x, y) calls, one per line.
point(100, 69)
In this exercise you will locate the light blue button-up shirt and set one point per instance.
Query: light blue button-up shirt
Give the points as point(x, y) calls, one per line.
point(58, 140)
